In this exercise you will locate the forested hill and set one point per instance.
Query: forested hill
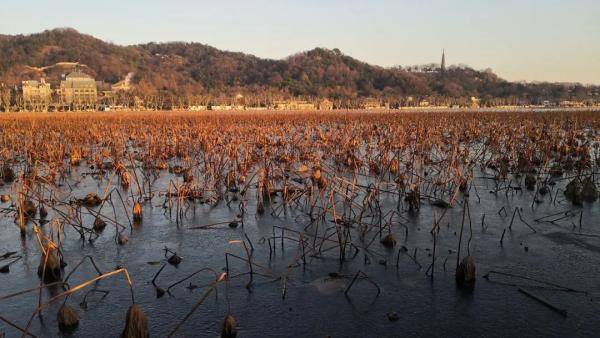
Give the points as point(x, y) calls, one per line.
point(194, 68)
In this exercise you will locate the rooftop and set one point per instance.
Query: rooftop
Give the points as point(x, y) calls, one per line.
point(78, 75)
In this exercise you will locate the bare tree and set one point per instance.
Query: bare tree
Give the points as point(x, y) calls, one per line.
point(5, 98)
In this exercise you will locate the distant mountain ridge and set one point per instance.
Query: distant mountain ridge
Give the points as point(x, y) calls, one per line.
point(194, 68)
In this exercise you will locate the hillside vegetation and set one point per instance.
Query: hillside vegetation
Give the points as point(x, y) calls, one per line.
point(193, 68)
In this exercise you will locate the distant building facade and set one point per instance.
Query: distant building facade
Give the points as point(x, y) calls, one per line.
point(197, 107)
point(372, 104)
point(221, 107)
point(37, 95)
point(294, 105)
point(79, 90)
point(121, 86)
point(325, 104)
point(571, 104)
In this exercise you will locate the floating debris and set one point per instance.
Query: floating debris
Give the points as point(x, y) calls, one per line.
point(8, 175)
point(28, 209)
point(573, 191)
point(99, 224)
point(530, 181)
point(43, 212)
point(589, 192)
point(67, 318)
point(125, 179)
point(160, 292)
point(137, 212)
point(174, 259)
point(393, 316)
point(388, 241)
point(465, 274)
point(441, 204)
point(229, 329)
point(136, 324)
point(90, 200)
point(122, 239)
point(49, 268)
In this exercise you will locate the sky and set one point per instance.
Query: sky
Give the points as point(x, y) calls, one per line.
point(531, 40)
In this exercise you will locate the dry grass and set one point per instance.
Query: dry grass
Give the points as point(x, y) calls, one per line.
point(333, 167)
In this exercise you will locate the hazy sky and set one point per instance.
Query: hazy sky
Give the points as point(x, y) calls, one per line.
point(519, 39)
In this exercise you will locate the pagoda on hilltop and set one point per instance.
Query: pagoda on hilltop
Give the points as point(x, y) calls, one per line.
point(443, 64)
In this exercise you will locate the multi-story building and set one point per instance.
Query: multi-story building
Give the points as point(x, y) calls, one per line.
point(78, 90)
point(36, 94)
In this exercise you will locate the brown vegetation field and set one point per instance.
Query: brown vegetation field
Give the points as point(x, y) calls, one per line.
point(333, 193)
